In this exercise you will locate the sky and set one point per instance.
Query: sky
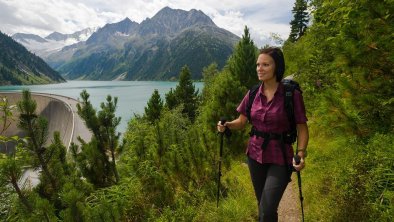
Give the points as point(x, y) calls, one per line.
point(42, 17)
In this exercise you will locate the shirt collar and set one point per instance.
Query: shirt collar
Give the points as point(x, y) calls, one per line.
point(280, 90)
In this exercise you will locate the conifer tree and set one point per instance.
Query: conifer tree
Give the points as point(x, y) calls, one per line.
point(171, 100)
point(10, 163)
point(242, 63)
point(36, 128)
point(97, 159)
point(184, 94)
point(300, 20)
point(10, 173)
point(154, 107)
point(45, 202)
point(208, 74)
point(226, 89)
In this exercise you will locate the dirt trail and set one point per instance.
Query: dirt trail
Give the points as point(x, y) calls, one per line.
point(289, 207)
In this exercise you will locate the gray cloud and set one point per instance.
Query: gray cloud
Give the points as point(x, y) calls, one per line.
point(66, 16)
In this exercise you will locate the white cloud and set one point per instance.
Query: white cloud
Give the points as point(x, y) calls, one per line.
point(67, 16)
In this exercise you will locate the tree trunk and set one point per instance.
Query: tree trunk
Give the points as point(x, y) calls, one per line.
point(20, 194)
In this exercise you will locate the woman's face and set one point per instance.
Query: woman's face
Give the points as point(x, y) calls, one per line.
point(265, 67)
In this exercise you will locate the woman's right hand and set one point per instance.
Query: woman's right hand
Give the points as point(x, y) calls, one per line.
point(221, 128)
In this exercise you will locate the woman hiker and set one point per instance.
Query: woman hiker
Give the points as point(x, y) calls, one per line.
point(270, 154)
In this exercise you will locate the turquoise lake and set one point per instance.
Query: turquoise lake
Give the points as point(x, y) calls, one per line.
point(132, 95)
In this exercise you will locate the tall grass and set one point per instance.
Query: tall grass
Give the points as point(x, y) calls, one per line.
point(349, 180)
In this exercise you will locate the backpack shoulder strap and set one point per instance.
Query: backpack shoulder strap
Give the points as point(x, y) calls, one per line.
point(290, 86)
point(252, 95)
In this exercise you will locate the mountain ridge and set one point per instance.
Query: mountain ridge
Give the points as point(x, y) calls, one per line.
point(155, 49)
point(44, 46)
point(18, 66)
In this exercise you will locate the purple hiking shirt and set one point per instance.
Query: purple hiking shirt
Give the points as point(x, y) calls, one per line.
point(271, 117)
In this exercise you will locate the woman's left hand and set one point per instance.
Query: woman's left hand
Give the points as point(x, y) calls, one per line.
point(300, 166)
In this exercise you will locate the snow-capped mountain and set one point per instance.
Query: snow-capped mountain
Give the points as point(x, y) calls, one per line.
point(53, 42)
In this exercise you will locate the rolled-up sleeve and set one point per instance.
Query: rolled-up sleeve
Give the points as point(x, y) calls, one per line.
point(242, 106)
point(299, 108)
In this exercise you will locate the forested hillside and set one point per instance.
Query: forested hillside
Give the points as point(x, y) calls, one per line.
point(18, 66)
point(345, 64)
point(166, 168)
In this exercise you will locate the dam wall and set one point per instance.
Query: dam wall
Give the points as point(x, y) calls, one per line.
point(58, 113)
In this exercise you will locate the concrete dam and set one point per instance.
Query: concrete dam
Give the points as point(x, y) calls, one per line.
point(61, 113)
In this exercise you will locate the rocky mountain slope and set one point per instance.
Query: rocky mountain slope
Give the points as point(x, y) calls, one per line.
point(52, 43)
point(19, 66)
point(155, 49)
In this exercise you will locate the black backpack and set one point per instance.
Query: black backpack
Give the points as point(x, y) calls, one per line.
point(290, 85)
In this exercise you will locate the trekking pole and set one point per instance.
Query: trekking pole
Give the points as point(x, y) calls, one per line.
point(297, 160)
point(222, 121)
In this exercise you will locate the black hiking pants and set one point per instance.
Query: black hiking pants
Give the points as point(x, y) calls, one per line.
point(269, 182)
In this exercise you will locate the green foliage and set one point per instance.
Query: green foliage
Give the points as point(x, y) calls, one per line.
point(367, 191)
point(355, 177)
point(347, 50)
point(13, 56)
point(184, 94)
point(242, 63)
point(11, 169)
point(379, 181)
point(224, 91)
point(154, 107)
point(97, 158)
point(171, 100)
point(60, 188)
point(168, 166)
point(55, 156)
point(223, 98)
point(43, 211)
point(6, 117)
point(300, 20)
point(36, 128)
point(240, 202)
point(168, 157)
point(208, 74)
point(73, 196)
point(344, 63)
point(43, 202)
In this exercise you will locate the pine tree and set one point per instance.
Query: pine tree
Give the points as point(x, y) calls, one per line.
point(184, 94)
point(242, 63)
point(171, 100)
point(300, 20)
point(46, 201)
point(109, 122)
point(10, 163)
point(94, 160)
point(209, 73)
point(36, 128)
point(10, 174)
point(154, 107)
point(226, 89)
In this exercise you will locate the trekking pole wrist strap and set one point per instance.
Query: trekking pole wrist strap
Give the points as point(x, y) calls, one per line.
point(303, 150)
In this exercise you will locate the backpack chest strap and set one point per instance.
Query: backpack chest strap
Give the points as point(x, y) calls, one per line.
point(268, 136)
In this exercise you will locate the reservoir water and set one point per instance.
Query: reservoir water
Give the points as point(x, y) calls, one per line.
point(132, 95)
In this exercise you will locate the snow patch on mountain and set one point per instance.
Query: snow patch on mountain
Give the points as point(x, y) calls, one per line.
point(52, 43)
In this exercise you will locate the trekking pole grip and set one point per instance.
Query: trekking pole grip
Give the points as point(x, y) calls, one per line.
point(223, 120)
point(227, 131)
point(297, 159)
